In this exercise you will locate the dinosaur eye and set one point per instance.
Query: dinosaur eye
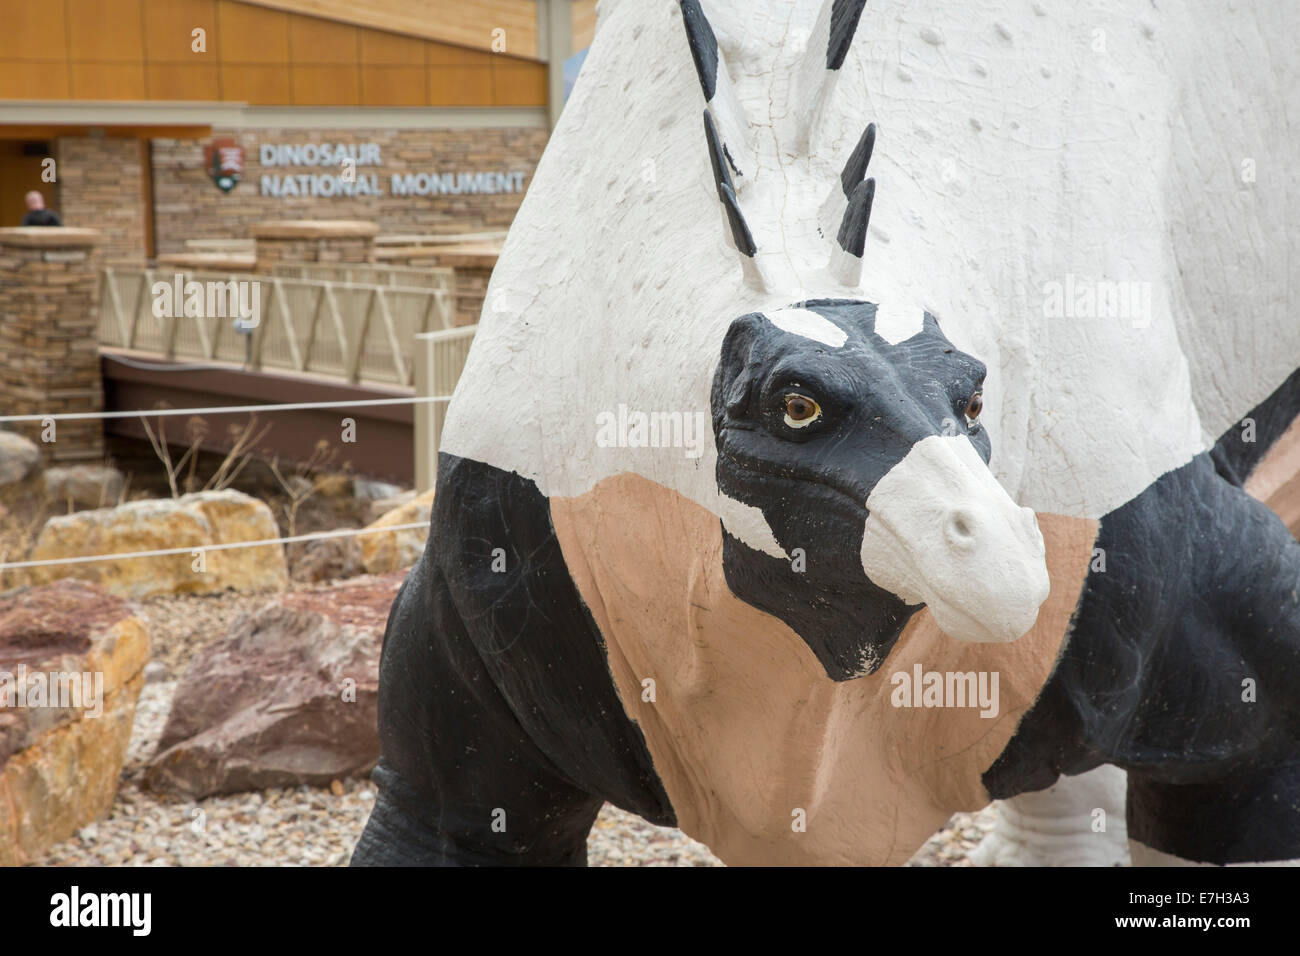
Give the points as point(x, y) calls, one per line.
point(974, 405)
point(800, 410)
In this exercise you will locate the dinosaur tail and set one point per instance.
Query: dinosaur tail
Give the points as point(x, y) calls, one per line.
point(1261, 453)
point(1241, 449)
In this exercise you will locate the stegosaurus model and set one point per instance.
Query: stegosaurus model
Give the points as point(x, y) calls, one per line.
point(985, 313)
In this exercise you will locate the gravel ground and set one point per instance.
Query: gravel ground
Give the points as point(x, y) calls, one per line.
point(311, 826)
point(952, 845)
point(180, 625)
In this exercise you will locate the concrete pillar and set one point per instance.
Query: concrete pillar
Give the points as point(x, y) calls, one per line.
point(555, 45)
point(307, 240)
point(49, 336)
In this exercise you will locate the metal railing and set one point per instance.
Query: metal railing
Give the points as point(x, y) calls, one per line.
point(361, 332)
point(414, 277)
point(495, 235)
point(439, 360)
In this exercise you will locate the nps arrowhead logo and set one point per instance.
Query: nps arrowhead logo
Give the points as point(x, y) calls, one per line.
point(224, 159)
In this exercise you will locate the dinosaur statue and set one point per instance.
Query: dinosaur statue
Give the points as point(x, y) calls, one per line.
point(841, 367)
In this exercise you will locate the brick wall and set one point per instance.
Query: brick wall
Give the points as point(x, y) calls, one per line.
point(187, 205)
point(101, 187)
point(49, 291)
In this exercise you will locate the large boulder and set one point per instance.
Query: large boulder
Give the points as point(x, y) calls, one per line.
point(20, 463)
point(63, 739)
point(288, 697)
point(389, 551)
point(194, 522)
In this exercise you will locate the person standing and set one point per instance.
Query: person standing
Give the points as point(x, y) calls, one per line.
point(37, 214)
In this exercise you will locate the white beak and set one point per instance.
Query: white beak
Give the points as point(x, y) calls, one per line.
point(942, 532)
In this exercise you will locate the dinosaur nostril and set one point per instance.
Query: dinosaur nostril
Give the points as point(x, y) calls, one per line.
point(961, 528)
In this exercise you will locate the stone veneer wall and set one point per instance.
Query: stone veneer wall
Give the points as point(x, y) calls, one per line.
point(101, 187)
point(314, 241)
point(49, 333)
point(473, 273)
point(187, 205)
point(471, 291)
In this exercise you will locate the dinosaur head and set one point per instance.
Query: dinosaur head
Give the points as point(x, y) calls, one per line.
point(868, 462)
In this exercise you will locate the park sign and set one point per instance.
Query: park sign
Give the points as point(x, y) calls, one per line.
point(336, 171)
point(224, 161)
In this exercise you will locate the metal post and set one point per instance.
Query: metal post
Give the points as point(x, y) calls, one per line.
point(426, 447)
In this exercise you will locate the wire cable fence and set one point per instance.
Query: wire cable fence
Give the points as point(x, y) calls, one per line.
point(215, 410)
point(222, 546)
point(224, 409)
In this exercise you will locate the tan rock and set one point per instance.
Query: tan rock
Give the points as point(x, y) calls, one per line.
point(381, 506)
point(60, 760)
point(381, 553)
point(85, 486)
point(194, 522)
point(333, 486)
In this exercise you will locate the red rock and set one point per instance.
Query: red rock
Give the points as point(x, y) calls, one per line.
point(288, 697)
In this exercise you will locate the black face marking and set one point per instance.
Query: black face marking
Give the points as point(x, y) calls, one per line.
point(855, 170)
point(876, 400)
point(844, 23)
point(704, 46)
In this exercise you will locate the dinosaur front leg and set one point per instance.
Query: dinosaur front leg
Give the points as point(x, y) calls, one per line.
point(1236, 797)
point(460, 783)
point(1181, 669)
point(1061, 826)
point(1248, 816)
point(500, 727)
